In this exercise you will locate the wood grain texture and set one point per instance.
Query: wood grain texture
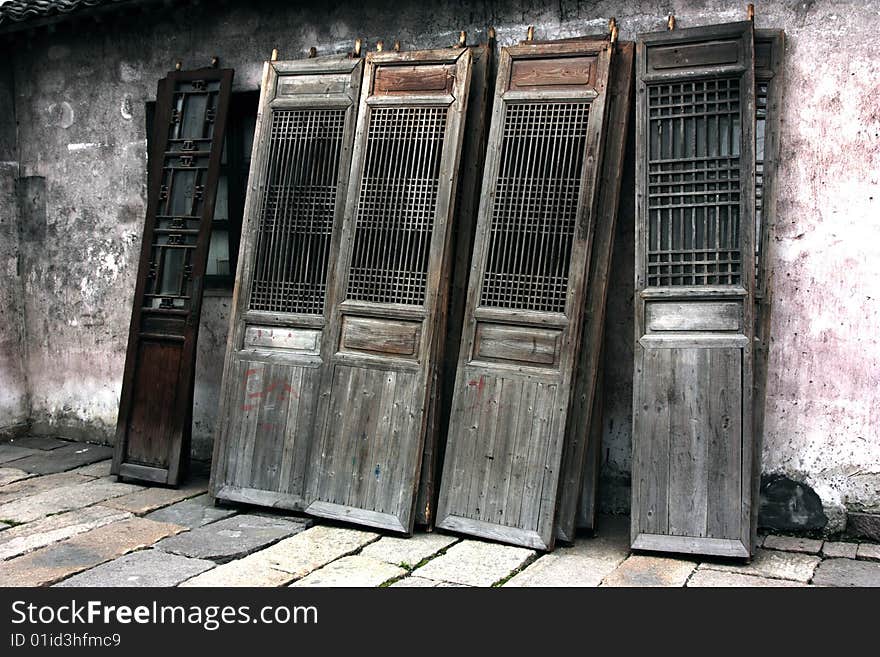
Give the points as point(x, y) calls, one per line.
point(155, 409)
point(693, 450)
point(555, 73)
point(277, 350)
point(508, 417)
point(409, 79)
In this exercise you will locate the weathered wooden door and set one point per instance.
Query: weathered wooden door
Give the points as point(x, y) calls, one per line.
point(390, 288)
point(582, 447)
point(523, 321)
point(279, 339)
point(155, 410)
point(473, 152)
point(769, 51)
point(695, 277)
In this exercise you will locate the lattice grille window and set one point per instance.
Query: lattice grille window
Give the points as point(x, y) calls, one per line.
point(395, 210)
point(181, 194)
point(297, 210)
point(694, 136)
point(535, 206)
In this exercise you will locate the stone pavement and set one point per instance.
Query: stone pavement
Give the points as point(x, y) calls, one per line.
point(65, 521)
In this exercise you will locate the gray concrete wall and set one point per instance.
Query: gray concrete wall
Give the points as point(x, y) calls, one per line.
point(80, 95)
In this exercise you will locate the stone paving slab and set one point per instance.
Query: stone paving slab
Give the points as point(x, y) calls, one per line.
point(414, 582)
point(408, 552)
point(643, 570)
point(233, 537)
point(869, 551)
point(863, 525)
point(40, 533)
point(145, 568)
point(718, 578)
point(772, 564)
point(65, 498)
point(192, 513)
point(287, 560)
point(586, 563)
point(476, 563)
point(353, 571)
point(840, 549)
point(98, 469)
point(793, 544)
point(55, 562)
point(155, 497)
point(10, 452)
point(64, 458)
point(40, 442)
point(846, 572)
point(10, 475)
point(34, 485)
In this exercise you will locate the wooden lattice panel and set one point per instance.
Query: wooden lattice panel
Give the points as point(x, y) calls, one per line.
point(694, 137)
point(181, 198)
point(397, 204)
point(761, 91)
point(535, 206)
point(279, 340)
point(297, 211)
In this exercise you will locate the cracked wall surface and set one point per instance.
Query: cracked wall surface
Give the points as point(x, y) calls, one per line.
point(80, 94)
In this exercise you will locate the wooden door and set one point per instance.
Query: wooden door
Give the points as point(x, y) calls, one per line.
point(693, 449)
point(279, 339)
point(582, 447)
point(523, 321)
point(155, 409)
point(473, 151)
point(769, 51)
point(390, 289)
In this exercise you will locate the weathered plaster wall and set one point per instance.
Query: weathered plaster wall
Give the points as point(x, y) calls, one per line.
point(80, 98)
point(14, 411)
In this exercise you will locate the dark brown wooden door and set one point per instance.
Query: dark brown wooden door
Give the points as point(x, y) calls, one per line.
point(279, 340)
point(522, 325)
point(155, 410)
point(390, 289)
point(693, 449)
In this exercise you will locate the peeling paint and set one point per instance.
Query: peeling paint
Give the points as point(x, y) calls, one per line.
point(83, 147)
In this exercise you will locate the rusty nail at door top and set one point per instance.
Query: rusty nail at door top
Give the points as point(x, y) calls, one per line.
point(530, 33)
point(750, 12)
point(670, 22)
